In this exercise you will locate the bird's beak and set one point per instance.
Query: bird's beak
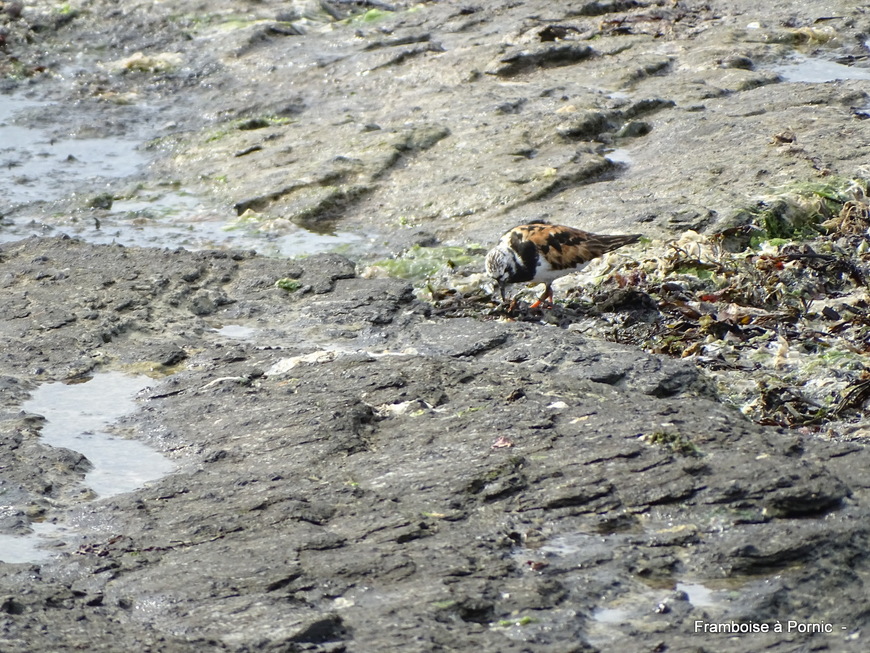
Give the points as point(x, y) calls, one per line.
point(501, 289)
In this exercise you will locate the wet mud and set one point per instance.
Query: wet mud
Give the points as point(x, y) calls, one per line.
point(496, 484)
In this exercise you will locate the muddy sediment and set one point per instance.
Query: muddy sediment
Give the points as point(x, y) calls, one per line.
point(354, 469)
point(467, 483)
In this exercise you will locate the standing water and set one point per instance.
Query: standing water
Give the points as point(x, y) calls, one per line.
point(26, 548)
point(38, 165)
point(78, 416)
point(42, 163)
point(815, 70)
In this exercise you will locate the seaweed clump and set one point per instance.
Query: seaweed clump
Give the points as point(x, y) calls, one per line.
point(776, 309)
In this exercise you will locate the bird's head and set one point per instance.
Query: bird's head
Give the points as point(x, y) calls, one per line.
point(500, 265)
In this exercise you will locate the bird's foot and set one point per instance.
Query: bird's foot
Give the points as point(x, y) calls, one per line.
point(546, 299)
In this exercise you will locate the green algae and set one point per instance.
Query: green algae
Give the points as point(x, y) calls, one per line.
point(419, 263)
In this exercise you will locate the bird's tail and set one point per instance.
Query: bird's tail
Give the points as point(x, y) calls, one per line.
point(609, 243)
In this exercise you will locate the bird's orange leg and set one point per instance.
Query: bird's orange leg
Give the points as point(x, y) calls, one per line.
point(546, 296)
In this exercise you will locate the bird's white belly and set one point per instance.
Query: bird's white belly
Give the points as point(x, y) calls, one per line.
point(545, 272)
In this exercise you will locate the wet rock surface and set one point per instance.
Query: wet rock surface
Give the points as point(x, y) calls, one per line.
point(495, 114)
point(360, 472)
point(357, 475)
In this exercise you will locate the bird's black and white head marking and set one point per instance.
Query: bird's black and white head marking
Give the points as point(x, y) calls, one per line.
point(501, 265)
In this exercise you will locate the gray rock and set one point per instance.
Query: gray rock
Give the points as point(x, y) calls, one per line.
point(450, 473)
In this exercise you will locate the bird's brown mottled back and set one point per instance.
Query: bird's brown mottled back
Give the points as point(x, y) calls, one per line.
point(566, 247)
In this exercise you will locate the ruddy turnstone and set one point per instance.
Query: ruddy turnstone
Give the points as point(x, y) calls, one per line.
point(541, 252)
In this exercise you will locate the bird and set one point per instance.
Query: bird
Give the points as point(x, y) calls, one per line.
point(541, 252)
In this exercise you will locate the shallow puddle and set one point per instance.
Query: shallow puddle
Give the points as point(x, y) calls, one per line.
point(699, 595)
point(611, 615)
point(40, 163)
point(608, 622)
point(78, 417)
point(612, 619)
point(177, 219)
point(619, 156)
point(236, 331)
point(27, 548)
point(39, 166)
point(180, 219)
point(813, 70)
point(308, 242)
point(579, 545)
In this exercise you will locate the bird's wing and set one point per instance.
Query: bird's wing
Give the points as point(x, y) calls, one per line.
point(567, 247)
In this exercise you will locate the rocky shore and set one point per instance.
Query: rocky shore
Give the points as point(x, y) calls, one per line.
point(356, 469)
